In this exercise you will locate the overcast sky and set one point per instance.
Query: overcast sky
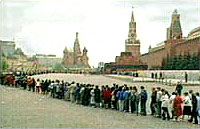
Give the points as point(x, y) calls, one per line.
point(48, 26)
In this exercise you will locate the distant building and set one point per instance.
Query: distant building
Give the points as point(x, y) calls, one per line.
point(7, 47)
point(47, 60)
point(76, 58)
point(101, 65)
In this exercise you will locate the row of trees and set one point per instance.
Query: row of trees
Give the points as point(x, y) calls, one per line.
point(182, 62)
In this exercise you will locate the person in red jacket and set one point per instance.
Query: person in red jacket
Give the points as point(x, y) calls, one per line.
point(107, 97)
point(178, 110)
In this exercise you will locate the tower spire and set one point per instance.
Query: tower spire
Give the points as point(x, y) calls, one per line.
point(132, 16)
point(76, 35)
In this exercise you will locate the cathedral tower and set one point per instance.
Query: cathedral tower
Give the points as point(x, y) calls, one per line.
point(77, 50)
point(75, 58)
point(132, 45)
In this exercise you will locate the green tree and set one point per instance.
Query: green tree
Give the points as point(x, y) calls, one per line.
point(4, 64)
point(58, 67)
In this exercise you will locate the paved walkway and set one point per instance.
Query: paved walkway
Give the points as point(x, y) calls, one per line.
point(24, 109)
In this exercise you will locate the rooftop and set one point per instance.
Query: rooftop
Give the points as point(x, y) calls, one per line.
point(1, 41)
point(194, 30)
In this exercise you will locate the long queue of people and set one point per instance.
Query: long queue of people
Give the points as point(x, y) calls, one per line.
point(123, 98)
point(174, 106)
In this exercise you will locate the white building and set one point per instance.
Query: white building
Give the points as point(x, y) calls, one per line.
point(48, 60)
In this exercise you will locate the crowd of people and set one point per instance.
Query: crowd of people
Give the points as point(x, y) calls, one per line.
point(131, 99)
point(175, 106)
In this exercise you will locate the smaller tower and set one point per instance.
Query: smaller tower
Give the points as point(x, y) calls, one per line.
point(65, 53)
point(175, 31)
point(85, 51)
point(149, 48)
point(85, 58)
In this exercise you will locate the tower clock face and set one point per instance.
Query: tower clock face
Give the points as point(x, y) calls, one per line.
point(132, 35)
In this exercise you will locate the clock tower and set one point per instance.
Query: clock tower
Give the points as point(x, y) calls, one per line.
point(132, 45)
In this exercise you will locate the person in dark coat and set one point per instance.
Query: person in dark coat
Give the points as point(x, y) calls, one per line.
point(179, 88)
point(77, 93)
point(86, 95)
point(143, 100)
point(194, 107)
point(153, 101)
point(33, 84)
point(186, 77)
point(97, 95)
point(43, 87)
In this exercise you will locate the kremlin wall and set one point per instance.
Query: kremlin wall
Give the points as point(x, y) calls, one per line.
point(175, 53)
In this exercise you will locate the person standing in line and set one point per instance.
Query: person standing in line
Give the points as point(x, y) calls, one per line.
point(107, 97)
point(171, 103)
point(101, 97)
point(178, 110)
point(198, 108)
point(24, 82)
point(143, 100)
point(82, 92)
point(38, 84)
point(33, 84)
point(158, 102)
point(131, 100)
point(57, 93)
point(116, 106)
point(165, 104)
point(46, 84)
point(153, 101)
point(179, 88)
point(29, 83)
point(121, 99)
point(73, 90)
point(86, 95)
point(92, 99)
point(126, 100)
point(77, 93)
point(97, 98)
point(186, 77)
point(187, 105)
point(113, 97)
point(62, 90)
point(51, 88)
point(136, 100)
point(42, 87)
point(194, 107)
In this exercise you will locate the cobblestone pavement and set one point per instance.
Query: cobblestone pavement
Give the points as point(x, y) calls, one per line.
point(24, 109)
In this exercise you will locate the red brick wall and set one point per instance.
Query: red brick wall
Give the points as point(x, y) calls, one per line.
point(172, 48)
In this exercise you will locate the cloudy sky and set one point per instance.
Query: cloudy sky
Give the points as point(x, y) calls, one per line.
point(48, 26)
